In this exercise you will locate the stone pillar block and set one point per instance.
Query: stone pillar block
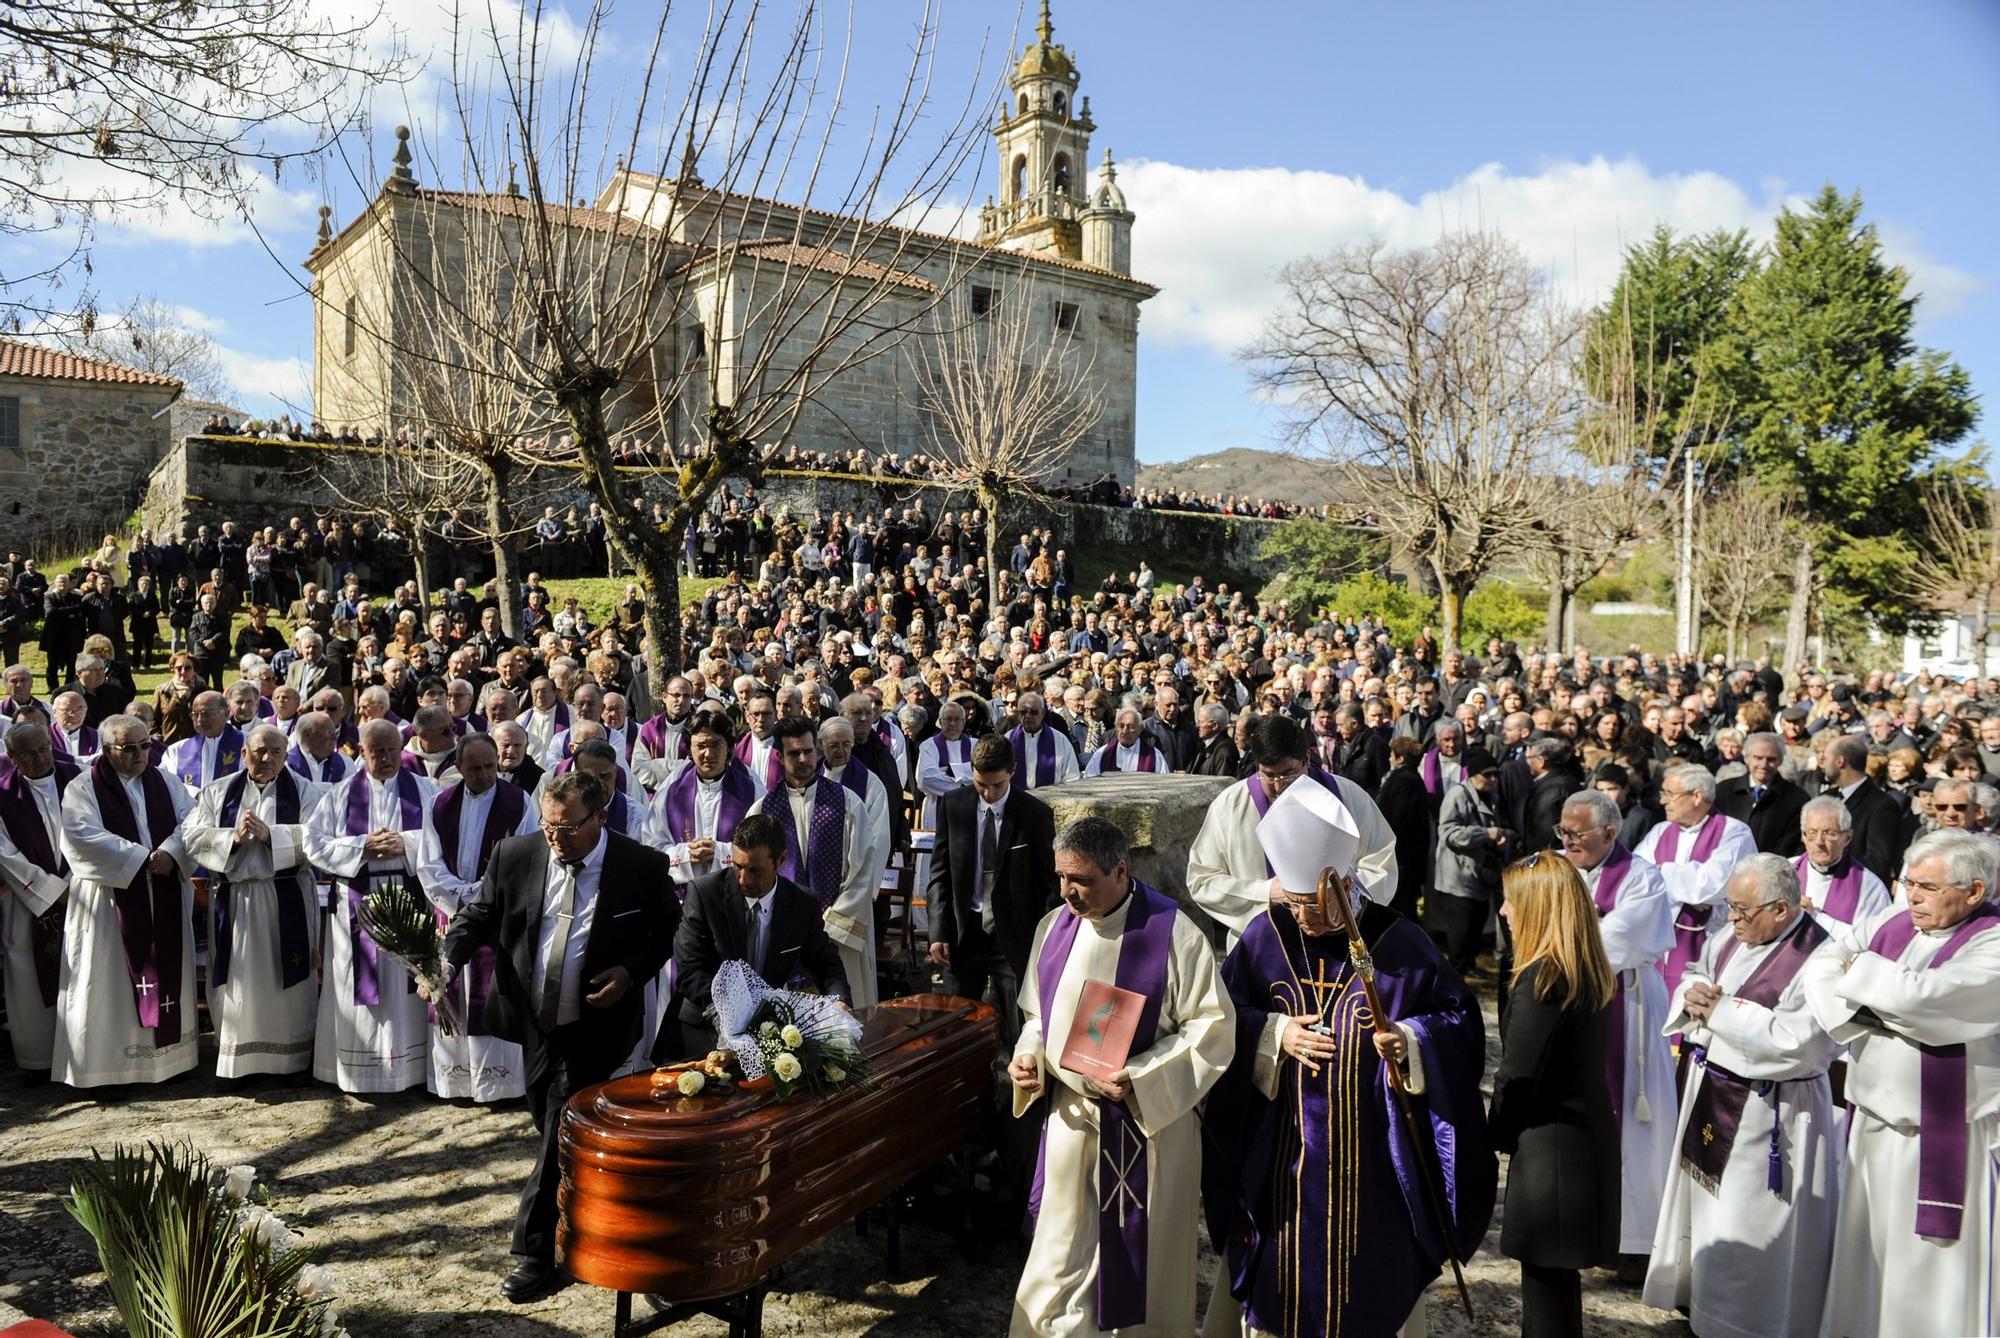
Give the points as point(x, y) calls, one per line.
point(1160, 816)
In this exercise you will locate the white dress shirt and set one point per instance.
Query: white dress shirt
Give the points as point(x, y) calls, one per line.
point(582, 906)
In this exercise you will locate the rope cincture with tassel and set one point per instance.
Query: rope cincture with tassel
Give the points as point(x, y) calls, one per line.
point(1333, 893)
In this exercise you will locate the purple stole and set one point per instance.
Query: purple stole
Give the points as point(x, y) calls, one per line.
point(774, 770)
point(1143, 951)
point(654, 735)
point(1432, 773)
point(1941, 1123)
point(629, 737)
point(1610, 881)
point(1690, 922)
point(305, 766)
point(1255, 785)
point(150, 921)
point(9, 706)
point(1045, 755)
point(22, 817)
point(510, 804)
point(1107, 756)
point(944, 756)
point(1719, 1100)
point(228, 757)
point(409, 799)
point(618, 813)
point(824, 860)
point(738, 793)
point(294, 945)
point(1843, 893)
point(87, 742)
point(854, 776)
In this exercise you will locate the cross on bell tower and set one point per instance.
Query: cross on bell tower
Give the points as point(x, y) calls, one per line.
point(1043, 137)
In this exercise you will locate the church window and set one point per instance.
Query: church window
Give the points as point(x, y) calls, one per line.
point(982, 301)
point(697, 344)
point(1066, 315)
point(1021, 178)
point(10, 423)
point(1024, 104)
point(1062, 105)
point(347, 329)
point(1061, 174)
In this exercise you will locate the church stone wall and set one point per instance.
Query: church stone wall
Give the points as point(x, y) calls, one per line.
point(86, 453)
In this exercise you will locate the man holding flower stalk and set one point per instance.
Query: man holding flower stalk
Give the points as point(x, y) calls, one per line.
point(579, 918)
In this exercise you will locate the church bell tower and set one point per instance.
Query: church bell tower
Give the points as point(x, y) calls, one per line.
point(1043, 135)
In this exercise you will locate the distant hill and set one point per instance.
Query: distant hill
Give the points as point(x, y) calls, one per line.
point(1245, 469)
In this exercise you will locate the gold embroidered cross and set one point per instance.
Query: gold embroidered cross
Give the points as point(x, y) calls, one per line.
point(1708, 1133)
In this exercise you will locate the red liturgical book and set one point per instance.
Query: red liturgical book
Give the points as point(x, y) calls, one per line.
point(1100, 1039)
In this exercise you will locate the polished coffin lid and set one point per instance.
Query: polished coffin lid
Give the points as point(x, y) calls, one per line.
point(698, 1197)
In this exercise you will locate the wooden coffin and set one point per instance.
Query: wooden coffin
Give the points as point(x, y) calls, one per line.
point(697, 1198)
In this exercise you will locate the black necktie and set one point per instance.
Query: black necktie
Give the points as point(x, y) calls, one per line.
point(989, 869)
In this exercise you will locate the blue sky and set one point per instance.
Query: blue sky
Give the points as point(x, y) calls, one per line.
point(1252, 133)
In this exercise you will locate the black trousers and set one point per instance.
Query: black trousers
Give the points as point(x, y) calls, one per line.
point(1463, 920)
point(977, 962)
point(1551, 1302)
point(554, 1075)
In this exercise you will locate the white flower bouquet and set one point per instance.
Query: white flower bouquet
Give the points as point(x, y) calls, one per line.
point(800, 1042)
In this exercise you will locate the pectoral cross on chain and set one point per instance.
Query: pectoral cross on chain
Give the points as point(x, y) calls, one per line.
point(1324, 993)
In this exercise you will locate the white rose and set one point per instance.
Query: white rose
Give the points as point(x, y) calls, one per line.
point(786, 1066)
point(768, 1029)
point(691, 1082)
point(237, 1180)
point(792, 1036)
point(329, 1323)
point(274, 1233)
point(835, 1073)
point(314, 1280)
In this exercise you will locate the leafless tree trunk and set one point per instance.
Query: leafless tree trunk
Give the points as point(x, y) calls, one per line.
point(1797, 614)
point(1961, 562)
point(1442, 381)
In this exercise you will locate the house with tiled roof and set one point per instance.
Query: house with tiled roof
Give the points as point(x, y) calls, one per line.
point(1050, 242)
point(78, 437)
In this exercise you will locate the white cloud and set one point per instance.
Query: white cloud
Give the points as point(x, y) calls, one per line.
point(1214, 239)
point(265, 386)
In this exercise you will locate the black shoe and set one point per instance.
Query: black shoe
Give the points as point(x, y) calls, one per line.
point(531, 1280)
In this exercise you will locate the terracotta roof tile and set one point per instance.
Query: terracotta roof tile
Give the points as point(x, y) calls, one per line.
point(19, 358)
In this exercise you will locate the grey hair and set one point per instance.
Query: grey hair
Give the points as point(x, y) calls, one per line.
point(835, 724)
point(252, 663)
point(1448, 727)
point(1765, 736)
point(122, 724)
point(1691, 777)
point(1097, 839)
point(1954, 783)
point(25, 732)
point(1774, 876)
point(1829, 804)
point(1986, 796)
point(1214, 711)
point(259, 731)
point(1603, 808)
point(1550, 749)
point(1968, 857)
point(84, 662)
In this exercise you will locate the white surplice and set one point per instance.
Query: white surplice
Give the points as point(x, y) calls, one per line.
point(1227, 875)
point(939, 772)
point(1887, 1279)
point(1026, 766)
point(1193, 1044)
point(98, 1038)
point(1745, 1262)
point(850, 920)
point(31, 891)
point(1637, 934)
point(260, 1025)
point(1692, 882)
point(482, 1068)
point(1874, 898)
point(383, 1047)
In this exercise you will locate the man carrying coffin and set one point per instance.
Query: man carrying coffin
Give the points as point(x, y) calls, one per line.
point(461, 827)
point(1695, 850)
point(1834, 886)
point(1228, 875)
point(1637, 924)
point(1314, 1183)
point(1116, 1186)
point(1746, 1234)
point(125, 1001)
point(34, 879)
point(250, 829)
point(1043, 754)
point(827, 852)
point(374, 1032)
point(1128, 749)
point(1915, 995)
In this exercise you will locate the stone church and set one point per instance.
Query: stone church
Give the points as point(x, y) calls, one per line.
point(1049, 241)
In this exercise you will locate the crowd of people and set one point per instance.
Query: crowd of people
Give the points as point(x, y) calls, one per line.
point(1701, 894)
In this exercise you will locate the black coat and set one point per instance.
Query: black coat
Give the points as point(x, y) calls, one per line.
point(1552, 1113)
point(1544, 810)
point(1878, 829)
point(1217, 757)
point(1774, 820)
point(715, 928)
point(632, 925)
point(1406, 807)
point(1363, 759)
point(1025, 886)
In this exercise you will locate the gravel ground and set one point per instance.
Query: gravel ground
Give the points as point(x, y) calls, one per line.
point(410, 1201)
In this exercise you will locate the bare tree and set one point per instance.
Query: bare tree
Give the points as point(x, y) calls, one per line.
point(153, 337)
point(1961, 564)
point(1007, 396)
point(400, 482)
point(1441, 380)
point(682, 305)
point(1737, 529)
point(121, 107)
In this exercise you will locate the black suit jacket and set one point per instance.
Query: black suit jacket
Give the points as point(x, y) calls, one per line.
point(632, 925)
point(715, 928)
point(1544, 808)
point(1878, 829)
point(1024, 889)
point(1774, 820)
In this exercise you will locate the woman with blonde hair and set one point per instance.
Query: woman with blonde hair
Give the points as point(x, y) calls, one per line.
point(1552, 1098)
